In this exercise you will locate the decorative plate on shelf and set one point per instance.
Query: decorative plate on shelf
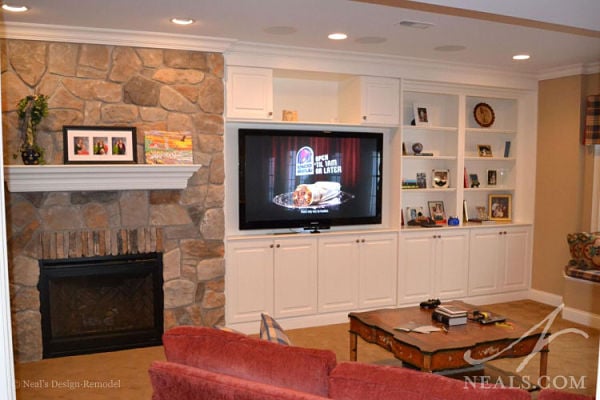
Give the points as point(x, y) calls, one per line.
point(484, 115)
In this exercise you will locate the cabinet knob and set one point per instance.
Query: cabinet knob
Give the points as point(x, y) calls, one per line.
point(278, 245)
point(357, 240)
point(270, 113)
point(363, 240)
point(271, 246)
point(364, 117)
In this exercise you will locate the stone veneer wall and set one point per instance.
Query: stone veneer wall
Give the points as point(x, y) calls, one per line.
point(157, 89)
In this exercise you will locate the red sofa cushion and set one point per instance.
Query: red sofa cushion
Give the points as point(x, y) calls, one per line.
point(357, 381)
point(175, 381)
point(553, 394)
point(238, 355)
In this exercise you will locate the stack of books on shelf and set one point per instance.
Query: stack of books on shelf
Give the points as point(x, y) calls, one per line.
point(450, 315)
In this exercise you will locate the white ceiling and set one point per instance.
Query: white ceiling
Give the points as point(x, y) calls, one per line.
point(568, 35)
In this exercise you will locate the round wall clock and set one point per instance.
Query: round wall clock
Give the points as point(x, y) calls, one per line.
point(484, 115)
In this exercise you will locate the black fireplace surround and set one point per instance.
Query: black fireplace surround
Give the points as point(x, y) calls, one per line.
point(99, 304)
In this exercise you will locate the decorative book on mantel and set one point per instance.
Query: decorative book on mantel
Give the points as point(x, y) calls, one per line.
point(163, 147)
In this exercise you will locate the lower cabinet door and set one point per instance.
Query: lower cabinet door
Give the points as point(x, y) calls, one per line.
point(338, 274)
point(249, 280)
point(295, 277)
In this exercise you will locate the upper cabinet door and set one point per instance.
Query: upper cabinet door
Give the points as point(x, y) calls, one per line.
point(249, 93)
point(370, 100)
point(381, 101)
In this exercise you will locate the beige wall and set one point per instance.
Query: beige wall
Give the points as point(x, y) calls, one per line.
point(563, 187)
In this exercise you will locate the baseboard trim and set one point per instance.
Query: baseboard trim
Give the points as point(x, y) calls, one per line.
point(545, 297)
point(581, 317)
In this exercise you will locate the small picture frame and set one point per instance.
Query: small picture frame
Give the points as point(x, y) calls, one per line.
point(474, 181)
point(500, 207)
point(421, 115)
point(436, 211)
point(492, 177)
point(421, 180)
point(440, 178)
point(484, 150)
point(414, 213)
point(99, 145)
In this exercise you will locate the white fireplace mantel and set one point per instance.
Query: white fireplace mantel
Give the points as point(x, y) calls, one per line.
point(52, 178)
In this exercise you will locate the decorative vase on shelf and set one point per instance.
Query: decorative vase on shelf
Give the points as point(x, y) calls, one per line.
point(31, 110)
point(30, 156)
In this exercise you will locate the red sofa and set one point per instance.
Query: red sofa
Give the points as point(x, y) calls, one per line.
point(210, 364)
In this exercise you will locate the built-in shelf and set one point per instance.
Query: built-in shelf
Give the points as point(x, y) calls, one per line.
point(53, 178)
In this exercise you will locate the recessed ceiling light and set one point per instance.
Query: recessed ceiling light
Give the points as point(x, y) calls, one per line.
point(415, 24)
point(337, 36)
point(8, 7)
point(370, 40)
point(450, 48)
point(521, 57)
point(280, 30)
point(182, 21)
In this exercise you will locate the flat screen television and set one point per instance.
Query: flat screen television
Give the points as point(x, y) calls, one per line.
point(309, 179)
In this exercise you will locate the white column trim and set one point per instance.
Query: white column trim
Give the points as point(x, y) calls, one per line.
point(7, 377)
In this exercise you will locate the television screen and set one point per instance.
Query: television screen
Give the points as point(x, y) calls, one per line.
point(309, 179)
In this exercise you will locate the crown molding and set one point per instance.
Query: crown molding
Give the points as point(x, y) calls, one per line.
point(570, 70)
point(59, 33)
point(319, 60)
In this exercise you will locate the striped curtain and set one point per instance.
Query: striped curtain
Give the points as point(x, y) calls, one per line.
point(592, 121)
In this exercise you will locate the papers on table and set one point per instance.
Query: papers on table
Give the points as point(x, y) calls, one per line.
point(412, 327)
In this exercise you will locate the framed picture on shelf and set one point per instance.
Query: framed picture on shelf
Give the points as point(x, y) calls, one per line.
point(440, 178)
point(474, 180)
point(492, 177)
point(421, 115)
point(436, 211)
point(414, 213)
point(484, 150)
point(500, 207)
point(99, 145)
point(421, 180)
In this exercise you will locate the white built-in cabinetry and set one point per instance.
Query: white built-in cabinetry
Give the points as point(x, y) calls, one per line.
point(453, 138)
point(278, 276)
point(249, 93)
point(357, 271)
point(304, 279)
point(262, 94)
point(499, 259)
point(305, 274)
point(435, 265)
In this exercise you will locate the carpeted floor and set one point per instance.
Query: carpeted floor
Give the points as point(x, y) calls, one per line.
point(123, 375)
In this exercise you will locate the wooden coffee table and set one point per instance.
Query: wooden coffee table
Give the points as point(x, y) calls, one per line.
point(441, 351)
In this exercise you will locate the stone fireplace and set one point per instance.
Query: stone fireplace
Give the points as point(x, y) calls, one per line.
point(103, 85)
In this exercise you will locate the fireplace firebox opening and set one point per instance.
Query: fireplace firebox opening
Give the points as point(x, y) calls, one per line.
point(98, 304)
